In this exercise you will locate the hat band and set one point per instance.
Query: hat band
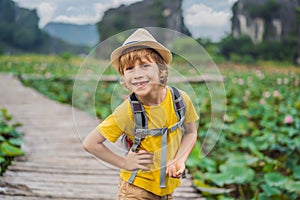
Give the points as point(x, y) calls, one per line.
point(128, 49)
point(131, 42)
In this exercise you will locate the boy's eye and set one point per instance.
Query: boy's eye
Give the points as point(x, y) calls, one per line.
point(145, 65)
point(128, 68)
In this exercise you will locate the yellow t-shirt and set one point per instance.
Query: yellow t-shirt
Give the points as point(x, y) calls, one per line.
point(163, 115)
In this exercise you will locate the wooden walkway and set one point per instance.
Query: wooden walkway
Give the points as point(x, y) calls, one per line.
point(55, 165)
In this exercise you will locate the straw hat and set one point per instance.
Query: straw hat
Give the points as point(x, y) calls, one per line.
point(141, 38)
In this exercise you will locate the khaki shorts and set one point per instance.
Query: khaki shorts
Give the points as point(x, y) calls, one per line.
point(131, 192)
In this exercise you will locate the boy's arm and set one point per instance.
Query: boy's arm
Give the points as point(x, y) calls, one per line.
point(177, 166)
point(93, 144)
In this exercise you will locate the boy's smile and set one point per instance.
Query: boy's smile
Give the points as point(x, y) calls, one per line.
point(140, 84)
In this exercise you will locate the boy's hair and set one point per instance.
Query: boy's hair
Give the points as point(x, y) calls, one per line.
point(131, 56)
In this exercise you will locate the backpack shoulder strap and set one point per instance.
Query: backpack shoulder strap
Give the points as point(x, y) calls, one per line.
point(179, 107)
point(140, 122)
point(140, 119)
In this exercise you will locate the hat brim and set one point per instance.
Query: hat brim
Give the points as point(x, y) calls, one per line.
point(163, 51)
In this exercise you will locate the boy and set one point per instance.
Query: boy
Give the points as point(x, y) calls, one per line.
point(143, 64)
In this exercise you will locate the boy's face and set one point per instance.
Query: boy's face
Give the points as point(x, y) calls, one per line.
point(142, 77)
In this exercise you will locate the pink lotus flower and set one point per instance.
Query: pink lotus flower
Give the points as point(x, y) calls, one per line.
point(288, 119)
point(48, 75)
point(267, 94)
point(275, 93)
point(286, 81)
point(279, 81)
point(262, 101)
point(241, 81)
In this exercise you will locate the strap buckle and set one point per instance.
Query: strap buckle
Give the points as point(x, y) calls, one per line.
point(142, 133)
point(136, 142)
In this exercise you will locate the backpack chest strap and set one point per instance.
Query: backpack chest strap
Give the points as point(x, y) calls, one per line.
point(140, 134)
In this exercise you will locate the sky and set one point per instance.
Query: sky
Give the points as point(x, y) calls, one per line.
point(206, 19)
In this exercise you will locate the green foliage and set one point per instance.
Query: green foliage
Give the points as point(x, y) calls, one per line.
point(238, 46)
point(157, 14)
point(55, 88)
point(47, 66)
point(10, 140)
point(257, 154)
point(243, 50)
point(265, 11)
point(298, 15)
point(24, 38)
point(66, 55)
point(208, 45)
point(2, 48)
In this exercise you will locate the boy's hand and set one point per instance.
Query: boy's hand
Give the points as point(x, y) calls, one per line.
point(175, 169)
point(138, 160)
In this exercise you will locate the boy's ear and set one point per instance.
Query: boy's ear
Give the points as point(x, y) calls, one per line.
point(163, 77)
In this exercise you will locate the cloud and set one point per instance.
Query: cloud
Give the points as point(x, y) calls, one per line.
point(23, 3)
point(231, 2)
point(116, 3)
point(100, 8)
point(202, 15)
point(71, 9)
point(89, 14)
point(76, 19)
point(47, 11)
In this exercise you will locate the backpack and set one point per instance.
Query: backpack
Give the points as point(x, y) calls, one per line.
point(141, 130)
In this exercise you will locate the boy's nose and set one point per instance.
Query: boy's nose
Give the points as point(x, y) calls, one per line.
point(137, 70)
